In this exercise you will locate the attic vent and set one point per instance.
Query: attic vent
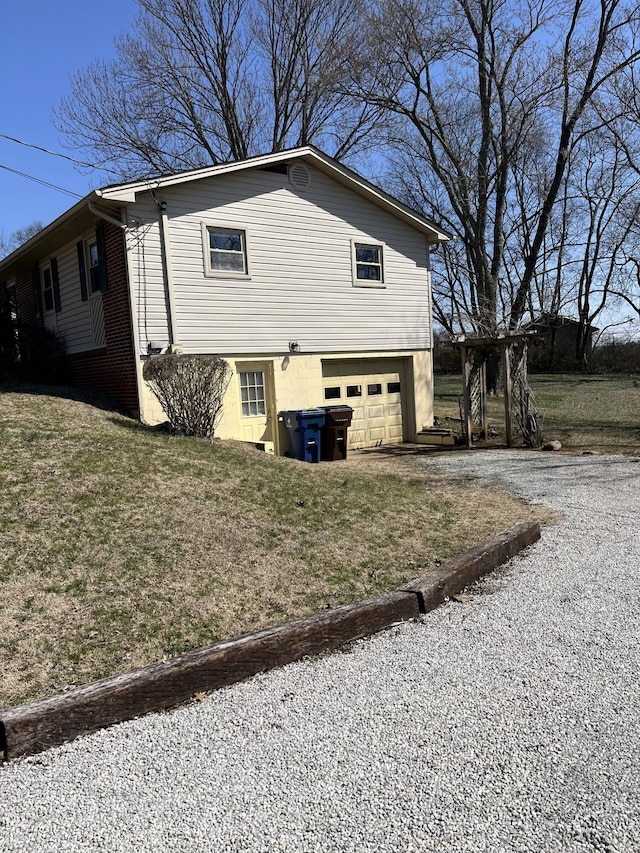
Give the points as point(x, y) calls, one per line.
point(299, 176)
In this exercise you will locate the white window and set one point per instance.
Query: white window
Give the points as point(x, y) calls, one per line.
point(47, 290)
point(94, 267)
point(225, 251)
point(252, 393)
point(368, 270)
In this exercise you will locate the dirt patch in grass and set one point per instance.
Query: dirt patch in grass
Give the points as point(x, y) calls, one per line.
point(120, 545)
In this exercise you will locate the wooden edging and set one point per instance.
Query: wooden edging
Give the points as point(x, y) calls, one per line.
point(454, 575)
point(36, 726)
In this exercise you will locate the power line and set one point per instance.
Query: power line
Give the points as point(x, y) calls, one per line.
point(40, 181)
point(58, 154)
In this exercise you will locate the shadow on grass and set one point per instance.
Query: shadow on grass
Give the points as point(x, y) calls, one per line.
point(78, 394)
point(134, 425)
point(599, 429)
point(572, 380)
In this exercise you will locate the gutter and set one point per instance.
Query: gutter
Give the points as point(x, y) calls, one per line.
point(102, 215)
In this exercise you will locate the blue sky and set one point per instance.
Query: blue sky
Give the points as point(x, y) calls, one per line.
point(43, 44)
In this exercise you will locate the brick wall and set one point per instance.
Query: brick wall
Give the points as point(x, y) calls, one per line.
point(112, 370)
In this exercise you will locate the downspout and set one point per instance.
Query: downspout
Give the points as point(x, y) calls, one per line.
point(167, 272)
point(133, 315)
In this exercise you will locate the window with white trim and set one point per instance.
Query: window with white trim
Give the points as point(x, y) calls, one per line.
point(225, 250)
point(47, 289)
point(93, 262)
point(367, 262)
point(252, 393)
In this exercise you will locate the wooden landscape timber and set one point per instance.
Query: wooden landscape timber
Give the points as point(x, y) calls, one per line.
point(39, 725)
point(452, 577)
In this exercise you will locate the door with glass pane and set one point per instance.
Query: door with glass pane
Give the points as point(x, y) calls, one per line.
point(256, 401)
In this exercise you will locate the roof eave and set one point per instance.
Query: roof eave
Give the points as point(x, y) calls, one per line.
point(127, 193)
point(66, 226)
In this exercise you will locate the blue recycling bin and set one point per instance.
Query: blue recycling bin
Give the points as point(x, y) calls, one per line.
point(303, 429)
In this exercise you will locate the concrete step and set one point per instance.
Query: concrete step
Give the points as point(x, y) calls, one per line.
point(436, 435)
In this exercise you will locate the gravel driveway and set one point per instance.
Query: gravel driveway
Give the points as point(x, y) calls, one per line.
point(510, 722)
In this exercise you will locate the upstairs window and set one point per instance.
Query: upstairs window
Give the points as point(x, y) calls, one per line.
point(367, 264)
point(226, 251)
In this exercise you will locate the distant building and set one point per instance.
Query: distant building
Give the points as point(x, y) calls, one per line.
point(558, 346)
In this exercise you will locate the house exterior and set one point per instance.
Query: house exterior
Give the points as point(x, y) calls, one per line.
point(562, 344)
point(312, 283)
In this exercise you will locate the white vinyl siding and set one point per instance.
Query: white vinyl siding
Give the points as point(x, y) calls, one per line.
point(301, 285)
point(73, 324)
point(148, 278)
point(79, 323)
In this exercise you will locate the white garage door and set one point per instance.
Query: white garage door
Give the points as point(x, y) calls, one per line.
point(374, 390)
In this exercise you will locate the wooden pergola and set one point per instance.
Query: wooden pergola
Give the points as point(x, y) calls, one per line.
point(510, 348)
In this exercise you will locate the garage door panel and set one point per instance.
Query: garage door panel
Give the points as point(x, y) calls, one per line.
point(378, 434)
point(373, 389)
point(356, 438)
point(377, 411)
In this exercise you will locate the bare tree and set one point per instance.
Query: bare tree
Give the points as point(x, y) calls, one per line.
point(8, 244)
point(610, 193)
point(493, 96)
point(207, 81)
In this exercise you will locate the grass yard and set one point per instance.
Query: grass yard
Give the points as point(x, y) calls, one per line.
point(585, 413)
point(120, 545)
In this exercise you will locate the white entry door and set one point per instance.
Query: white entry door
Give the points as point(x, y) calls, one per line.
point(255, 385)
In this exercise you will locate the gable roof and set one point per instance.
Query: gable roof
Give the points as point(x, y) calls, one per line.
point(110, 199)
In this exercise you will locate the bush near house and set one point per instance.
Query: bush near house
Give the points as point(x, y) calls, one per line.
point(616, 357)
point(191, 389)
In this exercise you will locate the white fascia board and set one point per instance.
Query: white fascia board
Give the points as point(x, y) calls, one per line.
point(127, 193)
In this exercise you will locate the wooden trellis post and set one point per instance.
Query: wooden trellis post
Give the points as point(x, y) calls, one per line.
point(506, 374)
point(475, 351)
point(466, 395)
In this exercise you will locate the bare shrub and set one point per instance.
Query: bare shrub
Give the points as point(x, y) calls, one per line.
point(191, 389)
